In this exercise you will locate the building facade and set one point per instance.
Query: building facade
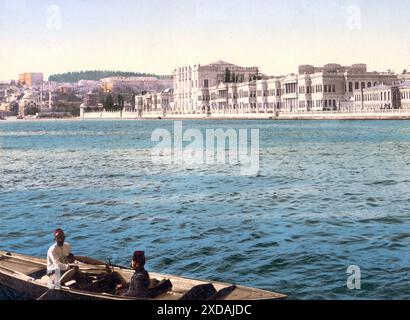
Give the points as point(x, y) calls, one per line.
point(155, 102)
point(224, 88)
point(192, 84)
point(404, 91)
point(332, 87)
point(30, 79)
point(383, 97)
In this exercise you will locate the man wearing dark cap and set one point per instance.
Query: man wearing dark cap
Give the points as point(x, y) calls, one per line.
point(139, 285)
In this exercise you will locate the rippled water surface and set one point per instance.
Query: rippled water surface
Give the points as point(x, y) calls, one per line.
point(328, 195)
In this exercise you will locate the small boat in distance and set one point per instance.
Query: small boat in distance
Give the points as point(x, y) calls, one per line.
point(26, 276)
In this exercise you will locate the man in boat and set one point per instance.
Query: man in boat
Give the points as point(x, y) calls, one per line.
point(59, 256)
point(140, 281)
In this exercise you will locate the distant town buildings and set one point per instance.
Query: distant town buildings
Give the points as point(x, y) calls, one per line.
point(91, 100)
point(30, 79)
point(138, 84)
point(85, 86)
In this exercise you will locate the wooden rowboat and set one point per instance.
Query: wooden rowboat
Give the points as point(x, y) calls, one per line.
point(26, 276)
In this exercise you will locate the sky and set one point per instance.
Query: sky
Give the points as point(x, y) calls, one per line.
point(159, 35)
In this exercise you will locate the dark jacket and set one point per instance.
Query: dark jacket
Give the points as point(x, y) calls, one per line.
point(139, 285)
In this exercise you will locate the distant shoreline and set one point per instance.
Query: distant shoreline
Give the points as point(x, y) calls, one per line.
point(219, 118)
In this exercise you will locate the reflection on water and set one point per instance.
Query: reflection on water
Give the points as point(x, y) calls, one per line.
point(328, 195)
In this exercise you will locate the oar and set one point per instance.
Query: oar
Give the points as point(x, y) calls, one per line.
point(95, 262)
point(44, 294)
point(88, 260)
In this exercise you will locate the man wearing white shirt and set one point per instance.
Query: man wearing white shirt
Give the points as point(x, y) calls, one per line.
point(59, 257)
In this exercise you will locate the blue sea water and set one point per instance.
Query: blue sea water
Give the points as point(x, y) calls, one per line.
point(329, 194)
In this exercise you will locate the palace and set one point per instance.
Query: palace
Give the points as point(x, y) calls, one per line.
point(225, 88)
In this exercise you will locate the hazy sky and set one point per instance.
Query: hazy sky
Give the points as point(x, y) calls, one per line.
point(159, 35)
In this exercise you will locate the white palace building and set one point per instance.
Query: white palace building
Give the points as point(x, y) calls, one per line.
point(225, 88)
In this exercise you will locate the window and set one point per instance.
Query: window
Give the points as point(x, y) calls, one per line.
point(206, 83)
point(350, 87)
point(356, 85)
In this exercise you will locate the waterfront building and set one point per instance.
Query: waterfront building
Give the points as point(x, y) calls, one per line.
point(396, 96)
point(404, 90)
point(219, 100)
point(332, 87)
point(222, 87)
point(289, 89)
point(247, 97)
point(192, 84)
point(30, 79)
point(274, 94)
point(256, 96)
point(225, 88)
point(158, 102)
point(377, 98)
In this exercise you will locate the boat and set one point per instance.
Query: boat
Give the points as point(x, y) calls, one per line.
point(25, 276)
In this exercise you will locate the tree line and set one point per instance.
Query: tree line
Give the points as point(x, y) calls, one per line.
point(95, 75)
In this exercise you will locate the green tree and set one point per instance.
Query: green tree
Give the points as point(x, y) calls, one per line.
point(32, 110)
point(109, 103)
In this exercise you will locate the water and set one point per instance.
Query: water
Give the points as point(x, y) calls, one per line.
point(328, 195)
